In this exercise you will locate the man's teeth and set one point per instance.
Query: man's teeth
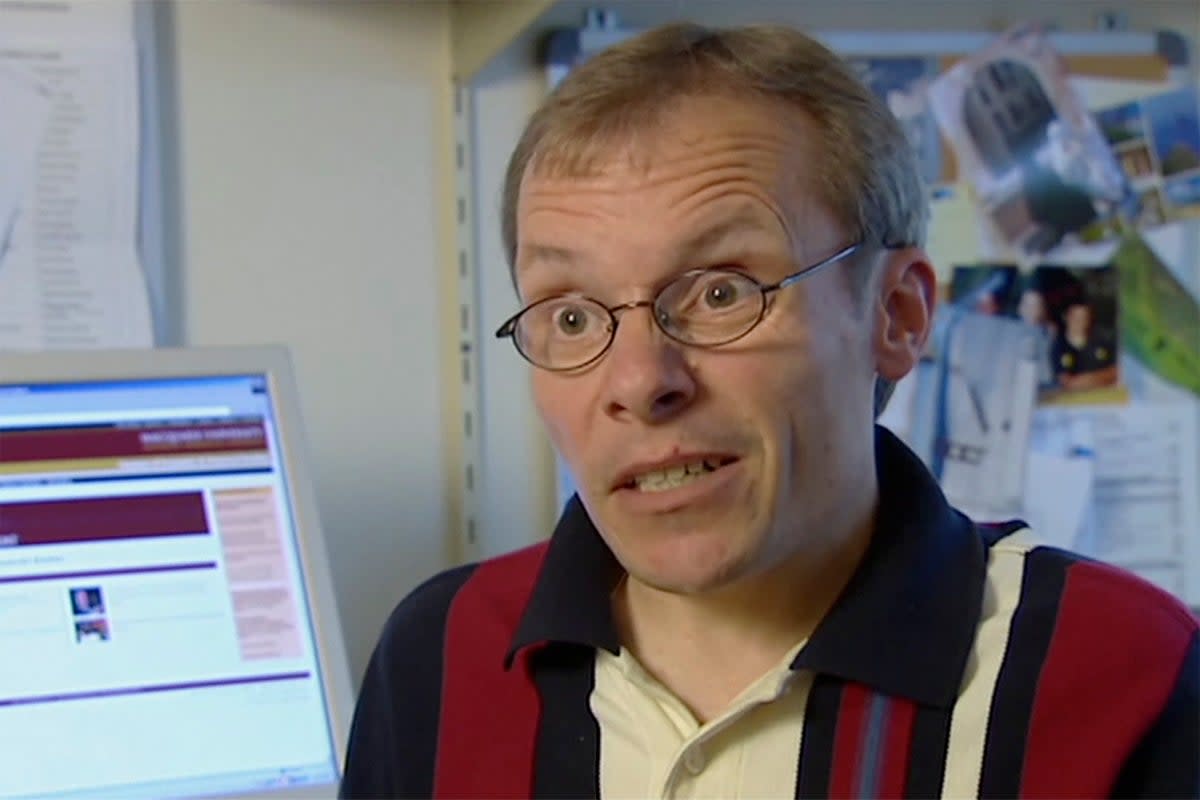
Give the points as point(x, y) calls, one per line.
point(663, 479)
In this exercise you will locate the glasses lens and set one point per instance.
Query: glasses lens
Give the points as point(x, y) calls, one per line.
point(563, 332)
point(709, 306)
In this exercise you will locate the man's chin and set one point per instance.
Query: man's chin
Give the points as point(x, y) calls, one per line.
point(682, 572)
point(681, 553)
point(682, 585)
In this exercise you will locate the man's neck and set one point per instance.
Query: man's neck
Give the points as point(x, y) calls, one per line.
point(739, 631)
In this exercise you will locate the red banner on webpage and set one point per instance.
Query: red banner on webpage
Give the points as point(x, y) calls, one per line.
point(101, 519)
point(55, 444)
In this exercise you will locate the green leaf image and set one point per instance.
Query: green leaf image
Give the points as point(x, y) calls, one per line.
point(1160, 319)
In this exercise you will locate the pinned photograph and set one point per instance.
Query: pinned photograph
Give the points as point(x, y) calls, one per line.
point(1072, 316)
point(1160, 318)
point(1042, 172)
point(1156, 140)
point(1081, 309)
point(1003, 290)
point(1175, 130)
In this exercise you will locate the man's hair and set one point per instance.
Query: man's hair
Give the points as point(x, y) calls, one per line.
point(865, 170)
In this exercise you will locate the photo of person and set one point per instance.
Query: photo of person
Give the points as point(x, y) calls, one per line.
point(1175, 129)
point(87, 600)
point(91, 630)
point(1031, 308)
point(1082, 359)
point(1002, 290)
point(1081, 302)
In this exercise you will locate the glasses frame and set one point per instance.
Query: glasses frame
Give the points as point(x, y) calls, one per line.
point(509, 328)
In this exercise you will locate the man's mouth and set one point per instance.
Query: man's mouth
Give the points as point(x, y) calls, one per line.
point(661, 480)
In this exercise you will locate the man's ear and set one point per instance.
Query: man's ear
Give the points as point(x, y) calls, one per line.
point(903, 313)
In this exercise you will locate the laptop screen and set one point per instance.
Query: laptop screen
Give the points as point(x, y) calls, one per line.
point(158, 633)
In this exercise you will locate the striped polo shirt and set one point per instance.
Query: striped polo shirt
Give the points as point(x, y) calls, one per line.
point(961, 660)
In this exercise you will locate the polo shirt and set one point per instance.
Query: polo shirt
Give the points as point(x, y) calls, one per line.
point(652, 745)
point(960, 660)
point(1072, 360)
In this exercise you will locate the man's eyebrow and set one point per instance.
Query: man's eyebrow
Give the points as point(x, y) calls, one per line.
point(532, 252)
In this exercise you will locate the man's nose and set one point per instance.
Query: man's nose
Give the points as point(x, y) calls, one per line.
point(648, 378)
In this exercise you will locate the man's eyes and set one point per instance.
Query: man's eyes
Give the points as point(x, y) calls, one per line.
point(723, 291)
point(714, 290)
point(570, 320)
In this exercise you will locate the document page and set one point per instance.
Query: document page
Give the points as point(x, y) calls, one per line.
point(70, 272)
point(1147, 494)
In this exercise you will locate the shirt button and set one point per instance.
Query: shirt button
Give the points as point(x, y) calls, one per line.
point(693, 760)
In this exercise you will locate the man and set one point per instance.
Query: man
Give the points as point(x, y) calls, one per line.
point(1031, 309)
point(716, 238)
point(1081, 359)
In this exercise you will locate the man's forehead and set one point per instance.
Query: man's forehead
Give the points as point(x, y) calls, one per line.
point(679, 130)
point(750, 156)
point(734, 221)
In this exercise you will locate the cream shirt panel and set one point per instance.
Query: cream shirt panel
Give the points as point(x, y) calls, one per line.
point(969, 720)
point(652, 746)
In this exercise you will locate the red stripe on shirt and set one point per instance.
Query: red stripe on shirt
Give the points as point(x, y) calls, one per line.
point(848, 741)
point(897, 744)
point(1106, 678)
point(487, 736)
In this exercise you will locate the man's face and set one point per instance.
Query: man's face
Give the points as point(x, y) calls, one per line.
point(774, 430)
point(1031, 307)
point(1079, 319)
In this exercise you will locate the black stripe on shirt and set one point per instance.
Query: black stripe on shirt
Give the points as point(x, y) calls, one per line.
point(567, 764)
point(817, 740)
point(1029, 638)
point(393, 739)
point(927, 754)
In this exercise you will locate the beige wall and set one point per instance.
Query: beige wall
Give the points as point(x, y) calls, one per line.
point(311, 139)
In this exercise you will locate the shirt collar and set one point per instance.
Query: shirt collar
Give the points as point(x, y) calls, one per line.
point(904, 625)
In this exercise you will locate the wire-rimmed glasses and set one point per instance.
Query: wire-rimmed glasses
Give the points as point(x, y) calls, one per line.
point(701, 308)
